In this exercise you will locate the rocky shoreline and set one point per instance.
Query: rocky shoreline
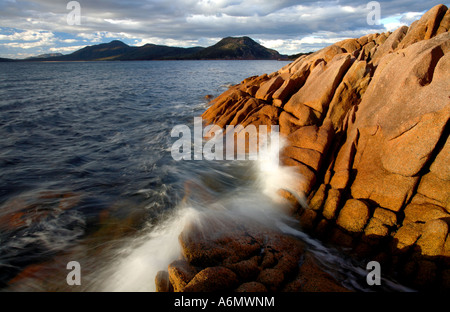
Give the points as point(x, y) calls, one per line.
point(242, 258)
point(366, 122)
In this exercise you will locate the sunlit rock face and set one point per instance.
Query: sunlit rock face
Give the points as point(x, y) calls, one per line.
point(366, 126)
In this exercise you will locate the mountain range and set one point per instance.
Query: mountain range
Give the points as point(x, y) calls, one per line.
point(230, 48)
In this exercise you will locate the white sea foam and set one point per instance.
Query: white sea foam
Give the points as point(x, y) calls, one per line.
point(137, 264)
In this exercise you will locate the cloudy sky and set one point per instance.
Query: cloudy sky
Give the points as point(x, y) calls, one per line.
point(30, 28)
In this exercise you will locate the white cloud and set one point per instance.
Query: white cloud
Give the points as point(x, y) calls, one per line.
point(391, 23)
point(285, 25)
point(273, 44)
point(29, 35)
point(305, 44)
point(410, 17)
point(67, 40)
point(27, 40)
point(65, 49)
point(124, 22)
point(25, 45)
point(92, 37)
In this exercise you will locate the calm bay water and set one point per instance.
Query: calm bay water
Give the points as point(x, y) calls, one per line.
point(94, 139)
point(86, 172)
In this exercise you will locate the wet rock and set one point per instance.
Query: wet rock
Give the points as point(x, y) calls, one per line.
point(205, 252)
point(291, 203)
point(317, 201)
point(307, 219)
point(245, 269)
point(271, 278)
point(288, 263)
point(307, 176)
point(30, 209)
point(180, 274)
point(245, 250)
point(251, 287)
point(269, 259)
point(162, 282)
point(212, 279)
point(311, 278)
point(322, 229)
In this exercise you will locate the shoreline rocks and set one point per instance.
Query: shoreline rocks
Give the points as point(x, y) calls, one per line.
point(367, 124)
point(244, 258)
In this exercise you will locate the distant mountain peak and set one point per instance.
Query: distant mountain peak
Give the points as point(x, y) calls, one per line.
point(46, 55)
point(244, 48)
point(229, 48)
point(240, 40)
point(117, 43)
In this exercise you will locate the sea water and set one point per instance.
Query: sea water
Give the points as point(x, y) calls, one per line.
point(86, 173)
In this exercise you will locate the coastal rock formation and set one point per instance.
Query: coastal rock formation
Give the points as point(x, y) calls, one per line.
point(367, 125)
point(244, 258)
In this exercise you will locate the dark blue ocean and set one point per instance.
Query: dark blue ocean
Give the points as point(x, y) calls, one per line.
point(86, 172)
point(85, 145)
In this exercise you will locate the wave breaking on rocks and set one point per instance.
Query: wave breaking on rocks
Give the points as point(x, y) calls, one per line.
point(366, 127)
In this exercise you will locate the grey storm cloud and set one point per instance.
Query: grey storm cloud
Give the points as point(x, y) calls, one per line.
point(195, 21)
point(190, 18)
